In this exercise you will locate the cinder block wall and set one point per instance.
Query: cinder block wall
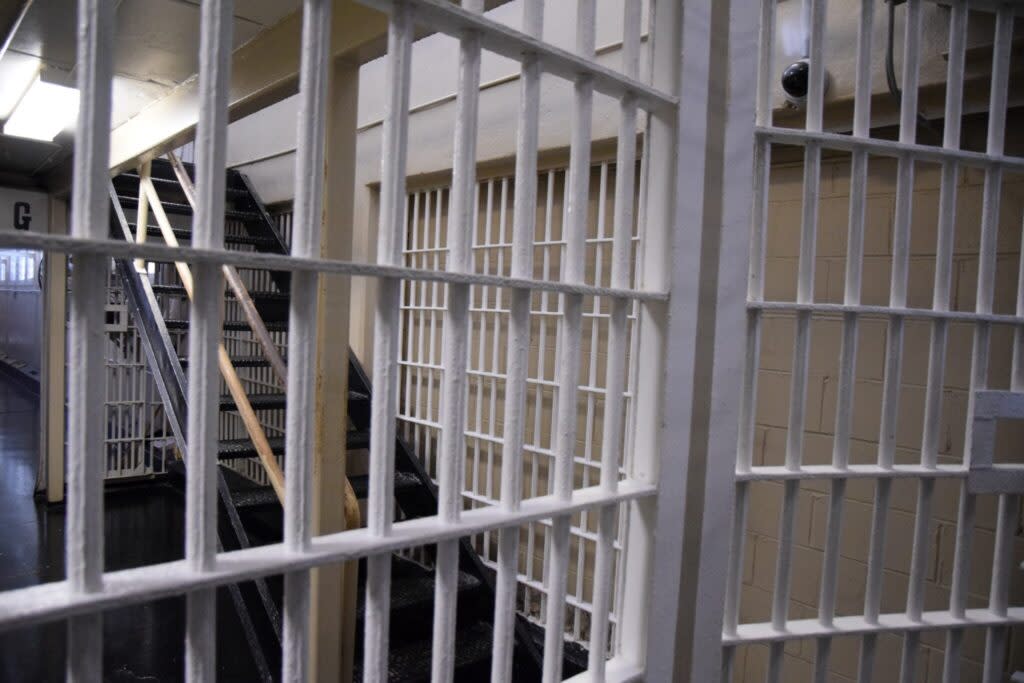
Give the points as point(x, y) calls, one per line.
point(773, 409)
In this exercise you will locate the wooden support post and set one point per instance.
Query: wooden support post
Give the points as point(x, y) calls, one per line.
point(333, 601)
point(51, 393)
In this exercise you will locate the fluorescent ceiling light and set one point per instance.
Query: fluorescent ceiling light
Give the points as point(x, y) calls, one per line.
point(44, 111)
point(17, 71)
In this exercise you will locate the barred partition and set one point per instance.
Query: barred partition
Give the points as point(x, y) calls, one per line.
point(849, 559)
point(488, 367)
point(575, 503)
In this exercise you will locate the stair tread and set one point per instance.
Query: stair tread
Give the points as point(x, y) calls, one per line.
point(185, 235)
point(133, 177)
point(410, 661)
point(186, 209)
point(256, 495)
point(243, 448)
point(275, 400)
point(231, 325)
point(413, 584)
point(239, 361)
point(258, 294)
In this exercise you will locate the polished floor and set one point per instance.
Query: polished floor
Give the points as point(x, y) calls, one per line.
point(144, 525)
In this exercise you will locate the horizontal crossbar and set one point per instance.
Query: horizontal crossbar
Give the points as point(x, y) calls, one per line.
point(747, 634)
point(57, 600)
point(241, 259)
point(888, 148)
point(886, 311)
point(496, 37)
point(782, 473)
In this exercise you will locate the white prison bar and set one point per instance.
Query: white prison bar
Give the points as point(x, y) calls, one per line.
point(244, 259)
point(1009, 504)
point(887, 312)
point(800, 629)
point(782, 473)
point(523, 229)
point(901, 258)
point(499, 38)
point(89, 221)
point(577, 195)
point(57, 600)
point(802, 347)
point(455, 347)
point(302, 325)
point(386, 342)
point(848, 350)
point(890, 148)
point(755, 296)
point(940, 301)
point(205, 330)
point(618, 333)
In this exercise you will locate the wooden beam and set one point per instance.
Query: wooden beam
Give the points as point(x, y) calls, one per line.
point(335, 507)
point(227, 370)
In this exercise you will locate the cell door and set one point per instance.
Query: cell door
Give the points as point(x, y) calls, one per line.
point(872, 501)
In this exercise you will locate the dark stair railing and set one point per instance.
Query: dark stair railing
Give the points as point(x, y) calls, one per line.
point(171, 385)
point(259, 508)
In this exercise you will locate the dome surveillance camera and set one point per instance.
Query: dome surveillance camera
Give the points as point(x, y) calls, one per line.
point(796, 82)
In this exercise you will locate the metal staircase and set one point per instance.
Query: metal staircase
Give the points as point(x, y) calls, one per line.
point(250, 509)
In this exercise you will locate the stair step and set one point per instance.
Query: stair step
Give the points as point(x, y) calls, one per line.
point(229, 449)
point(272, 306)
point(180, 290)
point(272, 401)
point(413, 585)
point(410, 662)
point(184, 236)
point(238, 361)
point(257, 401)
point(181, 209)
point(130, 179)
point(258, 495)
point(232, 325)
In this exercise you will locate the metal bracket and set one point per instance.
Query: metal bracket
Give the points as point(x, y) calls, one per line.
point(984, 476)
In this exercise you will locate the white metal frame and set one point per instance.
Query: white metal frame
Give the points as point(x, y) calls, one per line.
point(666, 337)
point(998, 616)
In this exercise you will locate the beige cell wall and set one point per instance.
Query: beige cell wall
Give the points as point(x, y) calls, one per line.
point(773, 410)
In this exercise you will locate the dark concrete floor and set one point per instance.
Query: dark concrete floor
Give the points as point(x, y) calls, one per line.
point(144, 525)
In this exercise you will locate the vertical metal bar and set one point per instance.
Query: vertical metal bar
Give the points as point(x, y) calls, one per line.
point(386, 344)
point(618, 339)
point(524, 218)
point(302, 326)
point(997, 637)
point(577, 199)
point(204, 332)
point(89, 219)
point(848, 352)
point(755, 293)
point(455, 349)
point(802, 346)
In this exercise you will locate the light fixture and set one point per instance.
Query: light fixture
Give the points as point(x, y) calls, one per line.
point(17, 72)
point(43, 111)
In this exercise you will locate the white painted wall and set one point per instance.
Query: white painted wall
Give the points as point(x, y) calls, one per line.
point(262, 145)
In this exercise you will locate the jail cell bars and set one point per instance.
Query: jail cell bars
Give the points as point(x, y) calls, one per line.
point(884, 291)
point(422, 330)
point(138, 440)
point(89, 590)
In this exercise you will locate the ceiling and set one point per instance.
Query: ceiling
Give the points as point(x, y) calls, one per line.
point(156, 49)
